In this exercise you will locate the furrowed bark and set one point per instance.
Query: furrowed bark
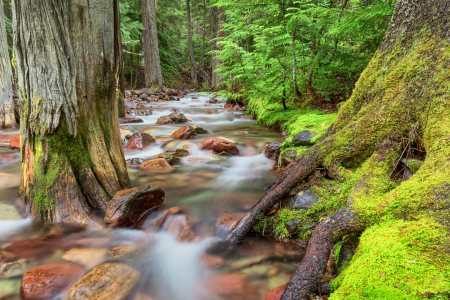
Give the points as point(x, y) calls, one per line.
point(68, 56)
point(153, 75)
point(7, 118)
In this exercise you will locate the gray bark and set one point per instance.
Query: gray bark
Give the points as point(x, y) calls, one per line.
point(7, 119)
point(67, 62)
point(152, 63)
point(217, 80)
point(191, 47)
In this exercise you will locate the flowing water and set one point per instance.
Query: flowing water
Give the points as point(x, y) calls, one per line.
point(202, 188)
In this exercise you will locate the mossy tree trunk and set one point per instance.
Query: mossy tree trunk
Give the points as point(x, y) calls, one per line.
point(152, 63)
point(7, 118)
point(67, 58)
point(400, 100)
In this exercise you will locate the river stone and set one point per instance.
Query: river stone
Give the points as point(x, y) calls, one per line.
point(175, 117)
point(15, 143)
point(219, 145)
point(199, 129)
point(139, 140)
point(131, 162)
point(130, 120)
point(185, 133)
point(304, 138)
point(47, 281)
point(128, 206)
point(177, 152)
point(9, 289)
point(109, 281)
point(270, 149)
point(291, 226)
point(9, 212)
point(5, 138)
point(303, 200)
point(289, 155)
point(171, 159)
point(159, 164)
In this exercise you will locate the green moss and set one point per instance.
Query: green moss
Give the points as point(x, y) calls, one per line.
point(276, 224)
point(397, 260)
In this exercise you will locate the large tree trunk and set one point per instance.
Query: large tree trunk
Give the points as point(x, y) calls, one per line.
point(7, 118)
point(217, 80)
point(121, 79)
point(191, 46)
point(67, 61)
point(400, 99)
point(153, 75)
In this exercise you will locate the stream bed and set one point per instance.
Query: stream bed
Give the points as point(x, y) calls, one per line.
point(203, 187)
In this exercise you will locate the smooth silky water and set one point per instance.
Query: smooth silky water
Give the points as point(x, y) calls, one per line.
point(171, 269)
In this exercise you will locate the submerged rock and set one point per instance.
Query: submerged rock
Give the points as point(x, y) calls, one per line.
point(304, 138)
point(177, 152)
point(231, 286)
point(199, 129)
point(15, 143)
point(125, 134)
point(219, 145)
point(109, 281)
point(303, 200)
point(131, 162)
point(171, 159)
point(159, 164)
point(5, 138)
point(139, 141)
point(128, 207)
point(225, 222)
point(175, 117)
point(130, 120)
point(185, 133)
point(47, 281)
point(182, 227)
point(275, 294)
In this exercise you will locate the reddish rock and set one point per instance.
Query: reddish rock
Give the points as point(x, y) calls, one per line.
point(15, 143)
point(229, 106)
point(36, 247)
point(271, 149)
point(185, 133)
point(47, 281)
point(5, 138)
point(231, 286)
point(159, 164)
point(275, 294)
point(128, 207)
point(174, 109)
point(225, 222)
point(220, 145)
point(130, 120)
point(139, 141)
point(182, 227)
point(212, 261)
point(180, 96)
point(160, 221)
point(175, 117)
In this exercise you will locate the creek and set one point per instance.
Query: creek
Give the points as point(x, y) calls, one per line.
point(203, 186)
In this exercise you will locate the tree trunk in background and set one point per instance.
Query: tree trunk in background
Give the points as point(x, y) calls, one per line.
point(67, 62)
point(217, 81)
point(7, 118)
point(121, 85)
point(311, 67)
point(8, 14)
point(152, 63)
point(202, 63)
point(191, 47)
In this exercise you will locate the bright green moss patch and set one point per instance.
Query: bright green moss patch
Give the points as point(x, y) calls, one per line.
point(276, 224)
point(397, 260)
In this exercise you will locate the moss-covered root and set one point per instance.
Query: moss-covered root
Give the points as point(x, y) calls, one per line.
point(374, 177)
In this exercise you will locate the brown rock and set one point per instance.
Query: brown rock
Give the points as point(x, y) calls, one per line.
point(177, 152)
point(160, 221)
point(275, 294)
point(139, 141)
point(271, 149)
point(182, 227)
point(159, 164)
point(130, 120)
point(171, 92)
point(212, 261)
point(128, 207)
point(225, 222)
point(119, 251)
point(15, 143)
point(231, 286)
point(219, 145)
point(174, 109)
point(36, 247)
point(184, 133)
point(109, 281)
point(5, 138)
point(47, 281)
point(229, 106)
point(175, 117)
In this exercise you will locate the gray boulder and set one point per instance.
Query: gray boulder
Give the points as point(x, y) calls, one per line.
point(303, 200)
point(304, 138)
